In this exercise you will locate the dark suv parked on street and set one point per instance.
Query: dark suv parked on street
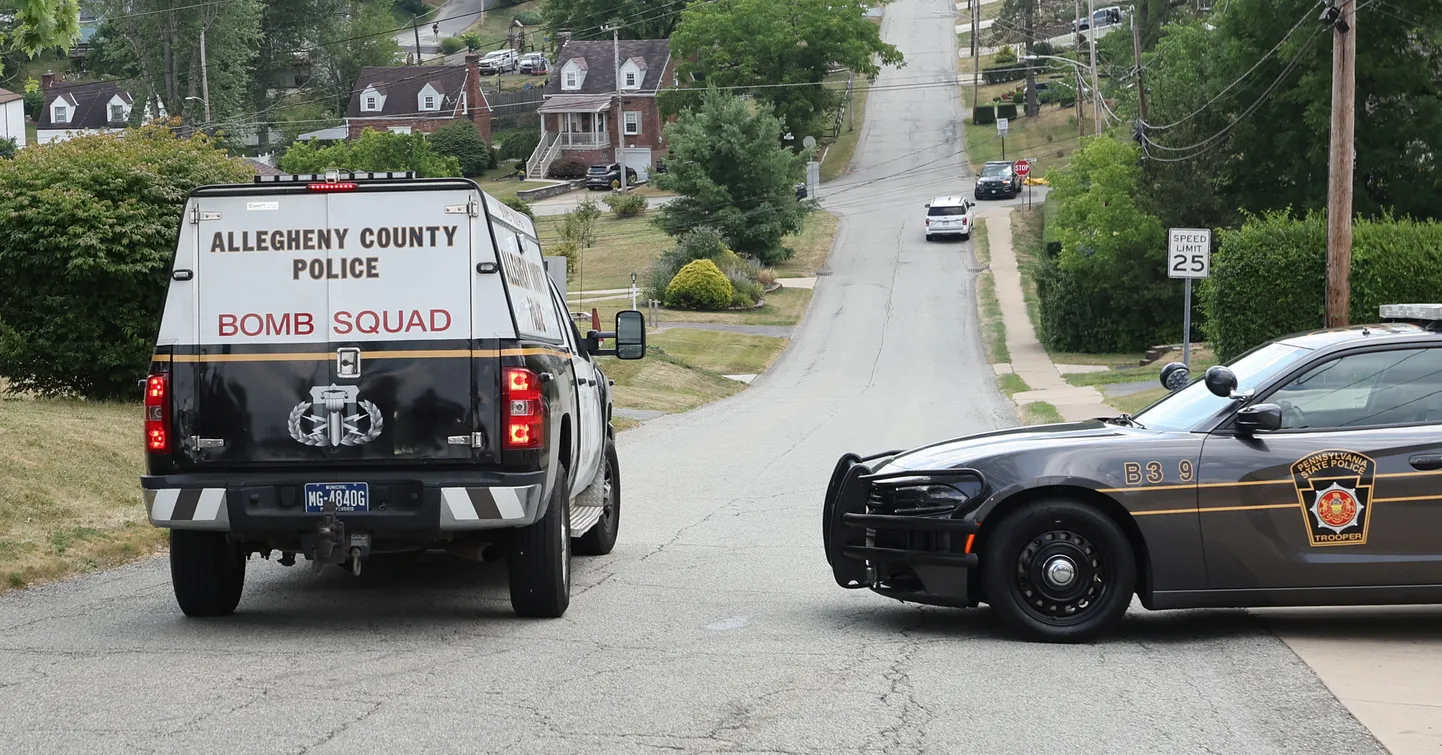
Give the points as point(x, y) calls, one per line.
point(608, 176)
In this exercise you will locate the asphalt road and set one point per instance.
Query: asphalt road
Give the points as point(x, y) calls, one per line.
point(715, 625)
point(454, 17)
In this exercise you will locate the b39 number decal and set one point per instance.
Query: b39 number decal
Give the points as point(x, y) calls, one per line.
point(1152, 473)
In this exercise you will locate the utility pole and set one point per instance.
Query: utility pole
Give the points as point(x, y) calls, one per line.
point(1339, 178)
point(1141, 80)
point(1080, 125)
point(615, 29)
point(415, 27)
point(1096, 88)
point(204, 78)
point(1031, 106)
point(975, 52)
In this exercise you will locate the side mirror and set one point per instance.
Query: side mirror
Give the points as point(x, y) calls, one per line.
point(1259, 418)
point(1175, 376)
point(928, 204)
point(1220, 381)
point(630, 334)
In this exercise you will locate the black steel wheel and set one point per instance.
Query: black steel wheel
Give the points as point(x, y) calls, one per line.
point(1059, 571)
point(601, 538)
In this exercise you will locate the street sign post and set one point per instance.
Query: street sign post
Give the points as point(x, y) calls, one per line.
point(633, 290)
point(1023, 168)
point(1189, 255)
point(1002, 126)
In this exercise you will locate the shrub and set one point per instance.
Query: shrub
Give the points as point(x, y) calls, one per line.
point(463, 141)
point(89, 226)
point(746, 290)
point(1043, 48)
point(1269, 276)
point(1006, 111)
point(519, 205)
point(452, 45)
point(570, 251)
point(1003, 73)
point(517, 144)
point(699, 285)
point(529, 18)
point(626, 205)
point(7, 149)
point(701, 243)
point(766, 277)
point(774, 255)
point(1005, 55)
point(472, 41)
point(983, 114)
point(567, 170)
point(373, 151)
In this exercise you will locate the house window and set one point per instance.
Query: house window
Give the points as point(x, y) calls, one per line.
point(632, 123)
point(117, 112)
point(430, 103)
point(572, 81)
point(400, 129)
point(631, 80)
point(62, 114)
point(371, 103)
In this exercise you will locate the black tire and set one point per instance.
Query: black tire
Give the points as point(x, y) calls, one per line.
point(1016, 557)
point(207, 572)
point(977, 196)
point(966, 237)
point(601, 538)
point(540, 559)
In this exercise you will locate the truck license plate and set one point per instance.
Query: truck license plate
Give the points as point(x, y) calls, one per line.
point(347, 497)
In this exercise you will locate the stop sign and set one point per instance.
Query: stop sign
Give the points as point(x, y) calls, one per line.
point(1022, 168)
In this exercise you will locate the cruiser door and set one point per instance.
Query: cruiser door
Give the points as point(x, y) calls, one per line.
point(261, 328)
point(399, 386)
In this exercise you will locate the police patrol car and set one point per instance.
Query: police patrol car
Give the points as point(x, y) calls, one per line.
point(1306, 472)
point(353, 364)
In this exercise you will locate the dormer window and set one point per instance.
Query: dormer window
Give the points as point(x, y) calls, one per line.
point(428, 99)
point(371, 104)
point(117, 112)
point(430, 103)
point(372, 101)
point(62, 114)
point(573, 80)
point(573, 75)
point(631, 80)
point(633, 72)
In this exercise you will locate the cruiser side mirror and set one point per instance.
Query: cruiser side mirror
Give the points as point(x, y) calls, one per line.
point(1175, 376)
point(1220, 381)
point(630, 334)
point(1259, 418)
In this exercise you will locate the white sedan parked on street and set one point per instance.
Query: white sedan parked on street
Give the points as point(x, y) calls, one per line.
point(948, 216)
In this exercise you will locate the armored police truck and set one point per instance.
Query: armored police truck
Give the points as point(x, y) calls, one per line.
point(358, 364)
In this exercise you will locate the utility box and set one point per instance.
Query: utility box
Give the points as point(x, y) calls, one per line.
point(556, 268)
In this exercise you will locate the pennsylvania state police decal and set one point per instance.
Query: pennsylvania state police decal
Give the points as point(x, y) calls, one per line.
point(1335, 490)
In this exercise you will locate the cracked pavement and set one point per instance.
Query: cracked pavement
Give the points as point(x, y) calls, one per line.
point(715, 626)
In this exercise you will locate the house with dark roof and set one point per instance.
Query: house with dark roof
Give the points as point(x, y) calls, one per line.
point(404, 99)
point(12, 117)
point(97, 107)
point(600, 104)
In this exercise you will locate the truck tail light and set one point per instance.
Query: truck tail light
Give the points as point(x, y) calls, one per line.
point(524, 415)
point(157, 414)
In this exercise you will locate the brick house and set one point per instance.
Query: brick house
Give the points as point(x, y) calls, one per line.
point(600, 101)
point(418, 98)
point(99, 107)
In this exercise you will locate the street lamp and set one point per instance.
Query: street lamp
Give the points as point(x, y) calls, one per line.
point(1096, 107)
point(204, 102)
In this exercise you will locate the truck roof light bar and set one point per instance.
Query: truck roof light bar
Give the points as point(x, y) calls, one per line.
point(337, 176)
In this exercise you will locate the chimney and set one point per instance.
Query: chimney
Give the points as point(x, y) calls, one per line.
point(476, 108)
point(47, 80)
point(562, 37)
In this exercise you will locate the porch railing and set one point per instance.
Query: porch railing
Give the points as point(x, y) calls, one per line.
point(574, 140)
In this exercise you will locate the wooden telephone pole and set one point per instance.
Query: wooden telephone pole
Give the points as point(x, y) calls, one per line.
point(1141, 80)
point(1340, 163)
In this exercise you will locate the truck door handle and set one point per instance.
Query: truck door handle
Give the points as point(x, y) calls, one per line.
point(1426, 461)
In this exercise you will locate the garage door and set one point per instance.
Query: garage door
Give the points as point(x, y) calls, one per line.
point(638, 159)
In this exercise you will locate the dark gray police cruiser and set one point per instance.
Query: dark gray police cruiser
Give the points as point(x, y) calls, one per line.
point(1306, 472)
point(356, 364)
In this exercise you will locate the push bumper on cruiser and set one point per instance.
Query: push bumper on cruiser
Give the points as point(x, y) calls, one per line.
point(904, 545)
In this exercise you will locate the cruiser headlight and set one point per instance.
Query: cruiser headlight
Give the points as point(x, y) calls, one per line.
point(930, 494)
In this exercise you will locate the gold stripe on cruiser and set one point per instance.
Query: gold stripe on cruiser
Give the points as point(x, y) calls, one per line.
point(325, 356)
point(1214, 509)
point(1246, 483)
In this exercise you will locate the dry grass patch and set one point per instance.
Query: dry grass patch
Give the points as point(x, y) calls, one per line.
point(70, 489)
point(1050, 138)
point(665, 384)
point(623, 246)
point(719, 351)
point(784, 307)
point(812, 246)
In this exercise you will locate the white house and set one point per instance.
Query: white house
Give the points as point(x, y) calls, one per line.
point(12, 117)
point(70, 109)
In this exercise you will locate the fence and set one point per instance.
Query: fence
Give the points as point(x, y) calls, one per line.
point(515, 109)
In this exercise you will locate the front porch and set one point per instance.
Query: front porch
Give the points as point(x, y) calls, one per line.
point(571, 123)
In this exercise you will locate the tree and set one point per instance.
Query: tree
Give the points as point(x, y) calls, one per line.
point(161, 47)
point(373, 151)
point(43, 25)
point(7, 149)
point(90, 227)
point(639, 19)
point(463, 141)
point(287, 27)
point(789, 47)
point(365, 38)
point(727, 163)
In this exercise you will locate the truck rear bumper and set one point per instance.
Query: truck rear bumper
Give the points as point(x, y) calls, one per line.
point(407, 505)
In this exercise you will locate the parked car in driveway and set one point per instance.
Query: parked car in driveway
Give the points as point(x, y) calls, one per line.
point(499, 61)
point(608, 176)
point(534, 63)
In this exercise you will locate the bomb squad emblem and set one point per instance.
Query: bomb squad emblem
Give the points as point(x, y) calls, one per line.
point(335, 416)
point(1335, 490)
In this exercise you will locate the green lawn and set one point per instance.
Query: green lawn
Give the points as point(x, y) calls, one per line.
point(1135, 402)
point(993, 329)
point(840, 152)
point(811, 246)
point(1040, 413)
point(719, 351)
point(784, 307)
point(1012, 384)
point(497, 22)
point(505, 188)
point(963, 19)
point(1049, 139)
point(623, 246)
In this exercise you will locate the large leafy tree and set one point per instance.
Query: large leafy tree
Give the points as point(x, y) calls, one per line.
point(362, 38)
point(780, 50)
point(89, 227)
point(41, 25)
point(727, 163)
point(637, 19)
point(288, 30)
point(373, 151)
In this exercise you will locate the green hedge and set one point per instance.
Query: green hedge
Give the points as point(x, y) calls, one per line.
point(983, 114)
point(1269, 276)
point(1007, 111)
point(1002, 74)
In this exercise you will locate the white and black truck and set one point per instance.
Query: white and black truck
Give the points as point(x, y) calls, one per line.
point(357, 364)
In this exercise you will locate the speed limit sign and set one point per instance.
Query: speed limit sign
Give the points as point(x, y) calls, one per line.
point(1189, 253)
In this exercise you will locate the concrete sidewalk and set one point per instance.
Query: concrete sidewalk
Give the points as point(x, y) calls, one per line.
point(1029, 359)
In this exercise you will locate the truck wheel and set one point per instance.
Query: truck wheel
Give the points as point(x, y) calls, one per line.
point(207, 572)
point(601, 538)
point(1058, 571)
point(540, 559)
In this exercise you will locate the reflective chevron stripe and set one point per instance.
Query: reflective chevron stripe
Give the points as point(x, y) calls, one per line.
point(484, 508)
point(188, 508)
